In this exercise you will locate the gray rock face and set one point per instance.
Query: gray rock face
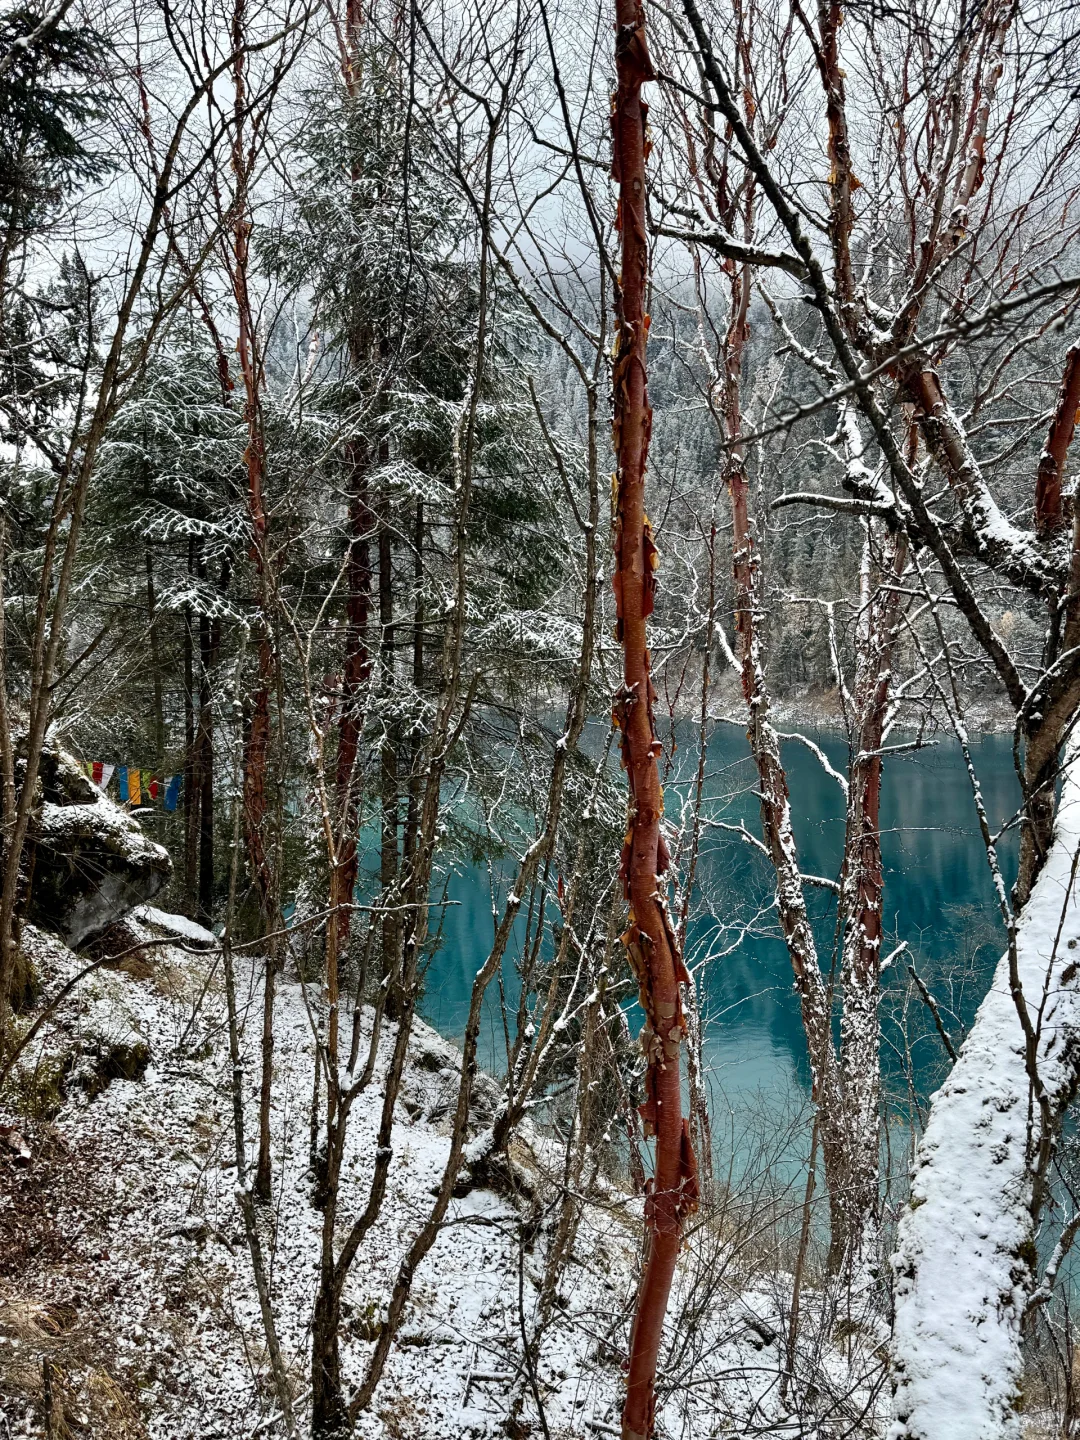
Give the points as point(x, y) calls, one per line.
point(92, 862)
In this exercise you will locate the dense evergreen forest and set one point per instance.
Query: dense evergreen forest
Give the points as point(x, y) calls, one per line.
point(462, 467)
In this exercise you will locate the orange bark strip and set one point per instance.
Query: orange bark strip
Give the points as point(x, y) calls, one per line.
point(650, 940)
point(1049, 514)
point(843, 181)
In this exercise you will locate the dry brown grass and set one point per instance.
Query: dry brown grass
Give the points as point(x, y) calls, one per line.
point(53, 1345)
point(49, 1366)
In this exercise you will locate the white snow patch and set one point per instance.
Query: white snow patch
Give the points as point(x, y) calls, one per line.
point(178, 925)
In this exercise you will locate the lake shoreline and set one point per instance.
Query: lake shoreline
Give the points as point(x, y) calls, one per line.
point(822, 711)
point(679, 697)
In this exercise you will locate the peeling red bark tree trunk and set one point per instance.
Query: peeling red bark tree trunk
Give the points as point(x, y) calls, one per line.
point(649, 939)
point(1046, 720)
point(842, 179)
point(1049, 511)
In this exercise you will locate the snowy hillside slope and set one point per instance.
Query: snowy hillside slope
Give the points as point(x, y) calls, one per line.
point(124, 1264)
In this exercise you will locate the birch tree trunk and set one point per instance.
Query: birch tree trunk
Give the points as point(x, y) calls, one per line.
point(775, 800)
point(862, 891)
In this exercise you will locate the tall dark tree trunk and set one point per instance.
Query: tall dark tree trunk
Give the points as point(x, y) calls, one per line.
point(412, 814)
point(650, 939)
point(329, 1417)
point(206, 775)
point(263, 1175)
point(191, 791)
point(329, 1414)
point(356, 667)
point(356, 674)
point(155, 665)
point(257, 740)
point(204, 759)
point(388, 773)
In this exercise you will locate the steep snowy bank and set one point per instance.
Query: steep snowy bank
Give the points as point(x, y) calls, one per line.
point(142, 1190)
point(964, 1260)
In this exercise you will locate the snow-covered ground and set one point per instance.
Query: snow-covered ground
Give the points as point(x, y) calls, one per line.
point(124, 1263)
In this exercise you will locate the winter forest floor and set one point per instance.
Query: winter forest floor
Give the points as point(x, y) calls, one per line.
point(125, 1279)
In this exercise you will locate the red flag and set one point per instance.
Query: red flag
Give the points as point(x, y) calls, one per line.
point(97, 772)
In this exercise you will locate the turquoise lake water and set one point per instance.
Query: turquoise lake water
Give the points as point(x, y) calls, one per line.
point(938, 898)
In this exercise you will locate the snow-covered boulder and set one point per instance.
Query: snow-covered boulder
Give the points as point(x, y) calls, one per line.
point(175, 927)
point(91, 861)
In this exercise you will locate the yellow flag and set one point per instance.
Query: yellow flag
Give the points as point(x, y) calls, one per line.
point(134, 787)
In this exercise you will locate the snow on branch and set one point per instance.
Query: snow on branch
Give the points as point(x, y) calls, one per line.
point(818, 753)
point(845, 503)
point(994, 538)
point(727, 246)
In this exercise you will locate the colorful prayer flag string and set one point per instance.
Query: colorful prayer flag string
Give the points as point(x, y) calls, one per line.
point(136, 787)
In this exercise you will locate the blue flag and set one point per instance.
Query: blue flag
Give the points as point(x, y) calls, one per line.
point(172, 791)
point(122, 782)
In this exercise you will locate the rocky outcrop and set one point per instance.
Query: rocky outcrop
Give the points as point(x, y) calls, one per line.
point(91, 862)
